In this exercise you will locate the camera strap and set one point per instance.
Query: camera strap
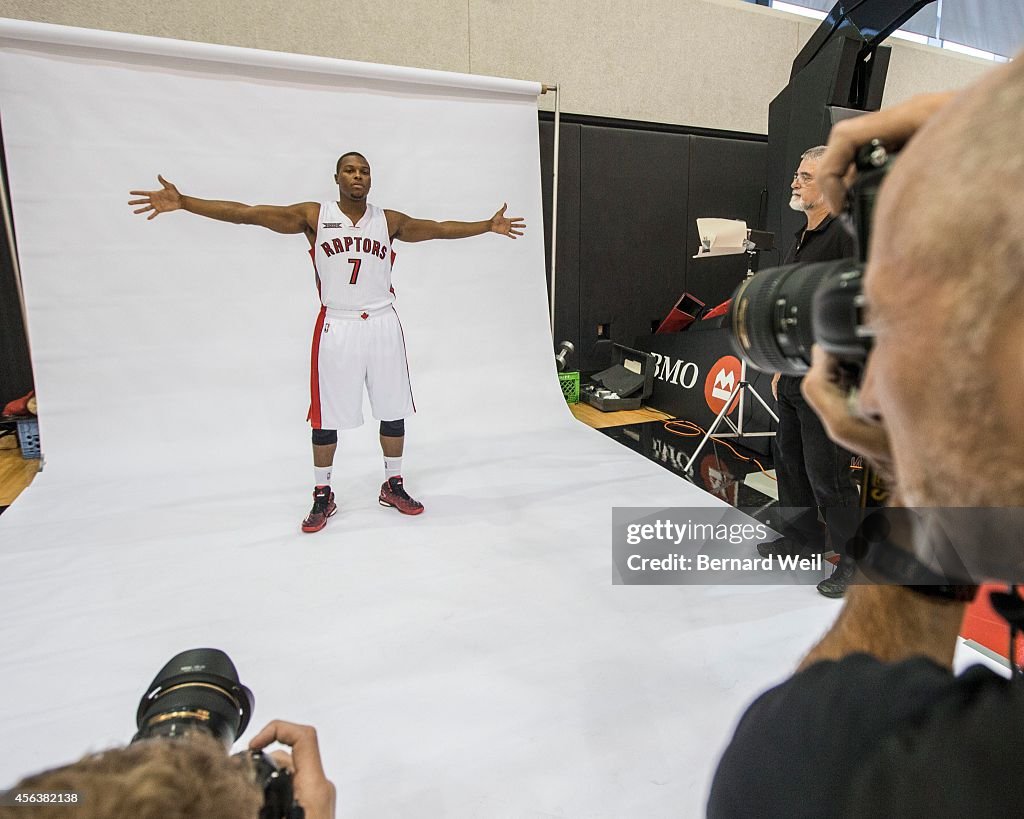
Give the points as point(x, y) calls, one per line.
point(885, 562)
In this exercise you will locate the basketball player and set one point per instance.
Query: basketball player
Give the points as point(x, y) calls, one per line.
point(358, 338)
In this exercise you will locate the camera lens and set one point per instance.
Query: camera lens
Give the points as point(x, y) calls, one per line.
point(772, 314)
point(197, 689)
point(839, 325)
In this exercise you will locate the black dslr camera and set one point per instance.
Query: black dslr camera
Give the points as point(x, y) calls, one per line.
point(199, 690)
point(778, 314)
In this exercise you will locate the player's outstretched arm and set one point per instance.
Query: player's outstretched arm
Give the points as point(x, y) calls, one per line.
point(407, 229)
point(299, 218)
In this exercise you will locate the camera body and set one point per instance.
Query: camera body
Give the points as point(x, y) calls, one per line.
point(199, 690)
point(777, 315)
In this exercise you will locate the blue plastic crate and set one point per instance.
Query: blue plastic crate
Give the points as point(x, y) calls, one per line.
point(28, 438)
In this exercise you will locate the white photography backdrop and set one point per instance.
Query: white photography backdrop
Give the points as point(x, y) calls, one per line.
point(474, 661)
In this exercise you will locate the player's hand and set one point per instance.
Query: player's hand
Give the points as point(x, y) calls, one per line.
point(775, 385)
point(839, 415)
point(162, 201)
point(511, 226)
point(893, 127)
point(313, 790)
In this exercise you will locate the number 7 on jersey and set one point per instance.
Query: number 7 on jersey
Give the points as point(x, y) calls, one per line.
point(355, 269)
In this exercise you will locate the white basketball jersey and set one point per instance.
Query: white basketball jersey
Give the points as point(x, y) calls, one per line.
point(353, 262)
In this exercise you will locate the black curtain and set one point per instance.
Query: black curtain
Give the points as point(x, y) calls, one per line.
point(15, 366)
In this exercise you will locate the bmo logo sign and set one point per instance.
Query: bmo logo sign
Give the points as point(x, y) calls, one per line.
point(676, 371)
point(723, 378)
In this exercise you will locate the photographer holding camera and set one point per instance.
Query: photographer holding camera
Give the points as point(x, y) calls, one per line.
point(874, 723)
point(177, 765)
point(181, 779)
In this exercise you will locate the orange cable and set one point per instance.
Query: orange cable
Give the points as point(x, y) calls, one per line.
point(694, 429)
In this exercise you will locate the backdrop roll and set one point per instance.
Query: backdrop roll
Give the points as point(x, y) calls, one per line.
point(473, 661)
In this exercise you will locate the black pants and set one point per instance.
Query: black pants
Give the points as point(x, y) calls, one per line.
point(812, 471)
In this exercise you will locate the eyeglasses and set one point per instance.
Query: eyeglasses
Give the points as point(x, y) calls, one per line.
point(804, 177)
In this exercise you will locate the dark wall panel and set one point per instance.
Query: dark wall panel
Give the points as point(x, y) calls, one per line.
point(633, 209)
point(567, 267)
point(727, 178)
point(629, 195)
point(800, 118)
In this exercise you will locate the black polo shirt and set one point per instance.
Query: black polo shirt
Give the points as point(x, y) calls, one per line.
point(864, 739)
point(828, 241)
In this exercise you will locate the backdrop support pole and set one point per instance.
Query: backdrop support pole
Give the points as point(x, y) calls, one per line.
point(554, 200)
point(5, 206)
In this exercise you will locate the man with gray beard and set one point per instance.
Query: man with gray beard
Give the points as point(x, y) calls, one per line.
point(813, 472)
point(874, 723)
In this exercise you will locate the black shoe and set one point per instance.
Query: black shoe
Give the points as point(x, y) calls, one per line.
point(785, 547)
point(834, 586)
point(774, 547)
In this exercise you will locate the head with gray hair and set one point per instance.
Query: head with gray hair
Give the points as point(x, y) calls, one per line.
point(805, 196)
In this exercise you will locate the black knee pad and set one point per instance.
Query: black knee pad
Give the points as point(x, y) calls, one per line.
point(324, 437)
point(393, 429)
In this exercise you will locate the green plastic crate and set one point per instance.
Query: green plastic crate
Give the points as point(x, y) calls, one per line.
point(570, 387)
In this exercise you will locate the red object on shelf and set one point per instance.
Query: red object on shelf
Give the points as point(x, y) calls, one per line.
point(718, 311)
point(682, 315)
point(19, 407)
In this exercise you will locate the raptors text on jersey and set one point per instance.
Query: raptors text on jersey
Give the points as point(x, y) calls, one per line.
point(353, 261)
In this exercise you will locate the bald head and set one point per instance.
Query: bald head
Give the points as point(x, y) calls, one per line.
point(951, 206)
point(945, 288)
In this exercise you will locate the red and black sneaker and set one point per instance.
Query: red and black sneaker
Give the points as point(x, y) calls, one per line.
point(323, 507)
point(393, 494)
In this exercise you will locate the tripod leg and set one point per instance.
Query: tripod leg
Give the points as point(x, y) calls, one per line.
point(711, 430)
point(768, 409)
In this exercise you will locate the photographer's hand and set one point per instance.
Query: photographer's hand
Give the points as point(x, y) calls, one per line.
point(831, 401)
point(313, 790)
point(893, 126)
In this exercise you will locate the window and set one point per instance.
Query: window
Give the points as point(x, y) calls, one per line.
point(989, 29)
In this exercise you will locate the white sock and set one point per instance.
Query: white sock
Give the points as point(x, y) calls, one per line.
point(322, 475)
point(392, 468)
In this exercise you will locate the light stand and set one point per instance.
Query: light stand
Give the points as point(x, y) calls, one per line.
point(737, 394)
point(752, 252)
point(756, 241)
point(724, 237)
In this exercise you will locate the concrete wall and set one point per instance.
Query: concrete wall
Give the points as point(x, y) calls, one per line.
point(707, 63)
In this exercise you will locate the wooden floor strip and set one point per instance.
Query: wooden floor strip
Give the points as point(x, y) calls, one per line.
point(15, 472)
point(593, 417)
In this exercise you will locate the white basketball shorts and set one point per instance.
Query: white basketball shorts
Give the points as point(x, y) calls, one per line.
point(351, 349)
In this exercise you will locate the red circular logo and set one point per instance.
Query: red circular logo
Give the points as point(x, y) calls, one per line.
point(722, 381)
